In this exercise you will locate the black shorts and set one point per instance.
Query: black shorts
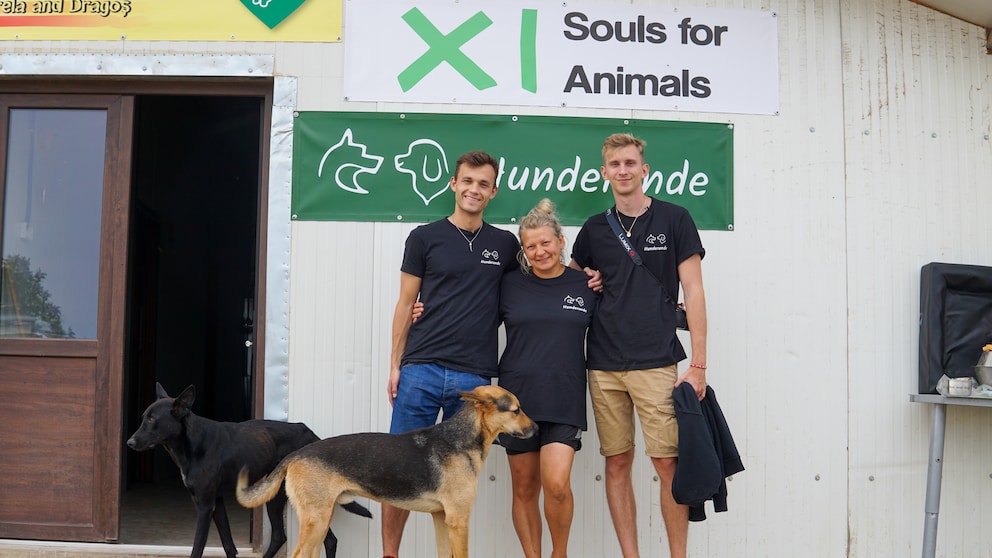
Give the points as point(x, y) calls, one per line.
point(547, 432)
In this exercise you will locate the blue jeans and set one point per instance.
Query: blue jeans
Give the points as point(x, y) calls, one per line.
point(426, 389)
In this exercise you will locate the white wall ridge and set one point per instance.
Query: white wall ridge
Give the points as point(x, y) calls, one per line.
point(199, 65)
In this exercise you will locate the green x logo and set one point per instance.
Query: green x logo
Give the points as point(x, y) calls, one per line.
point(445, 48)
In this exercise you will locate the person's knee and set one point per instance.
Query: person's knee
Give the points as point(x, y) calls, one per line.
point(620, 464)
point(560, 491)
point(665, 466)
point(526, 488)
point(526, 491)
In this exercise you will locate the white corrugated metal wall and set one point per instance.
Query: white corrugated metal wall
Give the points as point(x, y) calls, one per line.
point(813, 299)
point(879, 163)
point(918, 161)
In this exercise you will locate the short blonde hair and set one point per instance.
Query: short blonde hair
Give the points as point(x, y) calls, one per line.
point(621, 140)
point(542, 215)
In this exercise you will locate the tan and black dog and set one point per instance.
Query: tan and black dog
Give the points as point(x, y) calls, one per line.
point(434, 470)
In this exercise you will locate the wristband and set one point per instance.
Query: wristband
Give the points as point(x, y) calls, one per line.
point(700, 366)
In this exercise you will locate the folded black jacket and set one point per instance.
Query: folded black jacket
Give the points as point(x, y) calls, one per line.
point(707, 453)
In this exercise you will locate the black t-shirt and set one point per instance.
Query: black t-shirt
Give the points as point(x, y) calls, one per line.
point(544, 362)
point(460, 290)
point(634, 328)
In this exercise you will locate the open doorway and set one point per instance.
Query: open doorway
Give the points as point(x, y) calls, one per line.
point(191, 309)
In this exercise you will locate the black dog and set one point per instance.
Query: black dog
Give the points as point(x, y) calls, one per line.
point(210, 454)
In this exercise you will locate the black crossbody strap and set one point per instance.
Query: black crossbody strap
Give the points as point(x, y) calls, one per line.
point(621, 237)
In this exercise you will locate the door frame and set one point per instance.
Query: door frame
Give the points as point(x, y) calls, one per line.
point(111, 388)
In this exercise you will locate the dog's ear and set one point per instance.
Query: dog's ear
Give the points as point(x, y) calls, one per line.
point(471, 396)
point(498, 397)
point(478, 397)
point(184, 402)
point(160, 391)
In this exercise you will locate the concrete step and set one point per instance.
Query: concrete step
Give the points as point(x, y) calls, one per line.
point(43, 549)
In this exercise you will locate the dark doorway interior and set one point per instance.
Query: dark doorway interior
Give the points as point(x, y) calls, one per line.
point(192, 276)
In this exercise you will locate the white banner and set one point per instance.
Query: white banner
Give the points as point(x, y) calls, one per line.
point(600, 55)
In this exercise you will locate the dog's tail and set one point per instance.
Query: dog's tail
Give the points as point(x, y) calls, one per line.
point(357, 509)
point(263, 490)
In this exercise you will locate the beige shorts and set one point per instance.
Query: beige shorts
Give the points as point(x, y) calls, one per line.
point(614, 397)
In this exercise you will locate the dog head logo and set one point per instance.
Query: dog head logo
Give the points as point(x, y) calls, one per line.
point(574, 301)
point(656, 239)
point(427, 166)
point(347, 159)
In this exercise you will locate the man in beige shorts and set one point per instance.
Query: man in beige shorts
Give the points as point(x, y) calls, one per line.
point(632, 348)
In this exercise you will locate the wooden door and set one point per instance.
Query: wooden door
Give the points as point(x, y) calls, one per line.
point(65, 170)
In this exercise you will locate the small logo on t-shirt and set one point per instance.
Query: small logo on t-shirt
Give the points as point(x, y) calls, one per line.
point(574, 303)
point(490, 257)
point(656, 242)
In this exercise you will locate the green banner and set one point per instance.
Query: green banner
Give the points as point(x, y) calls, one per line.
point(361, 166)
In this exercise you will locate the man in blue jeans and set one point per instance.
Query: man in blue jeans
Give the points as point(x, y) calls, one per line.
point(455, 264)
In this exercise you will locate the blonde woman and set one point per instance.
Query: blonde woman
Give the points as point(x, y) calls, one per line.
point(546, 308)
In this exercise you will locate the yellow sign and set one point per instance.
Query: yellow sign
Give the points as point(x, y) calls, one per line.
point(172, 20)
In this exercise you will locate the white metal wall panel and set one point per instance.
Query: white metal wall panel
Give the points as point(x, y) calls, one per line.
point(776, 306)
point(331, 337)
point(778, 288)
point(917, 118)
point(776, 303)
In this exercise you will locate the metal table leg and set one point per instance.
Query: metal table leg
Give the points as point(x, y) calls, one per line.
point(934, 472)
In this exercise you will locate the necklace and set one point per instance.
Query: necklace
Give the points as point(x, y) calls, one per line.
point(470, 241)
point(625, 229)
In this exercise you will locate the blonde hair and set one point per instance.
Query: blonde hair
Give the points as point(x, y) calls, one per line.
point(621, 140)
point(542, 215)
